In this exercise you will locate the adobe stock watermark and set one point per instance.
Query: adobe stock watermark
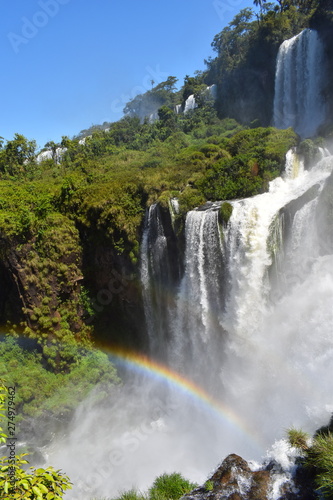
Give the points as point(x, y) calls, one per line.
point(30, 27)
point(223, 7)
point(127, 443)
point(152, 77)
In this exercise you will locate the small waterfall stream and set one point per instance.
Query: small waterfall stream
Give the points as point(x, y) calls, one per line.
point(299, 83)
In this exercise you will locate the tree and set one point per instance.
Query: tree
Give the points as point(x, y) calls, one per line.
point(193, 84)
point(17, 154)
point(233, 42)
point(20, 150)
point(167, 121)
point(53, 147)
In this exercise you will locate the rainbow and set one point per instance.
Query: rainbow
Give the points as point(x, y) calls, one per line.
point(141, 363)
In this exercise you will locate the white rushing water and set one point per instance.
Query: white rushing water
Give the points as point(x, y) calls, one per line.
point(190, 104)
point(209, 94)
point(299, 83)
point(280, 330)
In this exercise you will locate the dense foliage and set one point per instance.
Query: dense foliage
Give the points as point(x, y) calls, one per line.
point(316, 457)
point(41, 392)
point(18, 482)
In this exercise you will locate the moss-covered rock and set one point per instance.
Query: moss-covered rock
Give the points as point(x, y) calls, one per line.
point(225, 212)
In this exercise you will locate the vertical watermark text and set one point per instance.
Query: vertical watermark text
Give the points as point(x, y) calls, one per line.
point(11, 434)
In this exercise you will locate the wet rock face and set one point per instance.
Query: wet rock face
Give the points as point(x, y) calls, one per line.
point(235, 480)
point(260, 483)
point(233, 477)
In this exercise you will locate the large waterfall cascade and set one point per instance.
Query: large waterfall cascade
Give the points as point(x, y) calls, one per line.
point(299, 84)
point(241, 318)
point(228, 292)
point(248, 319)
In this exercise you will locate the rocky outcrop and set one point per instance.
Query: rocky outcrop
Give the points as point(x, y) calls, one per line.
point(235, 479)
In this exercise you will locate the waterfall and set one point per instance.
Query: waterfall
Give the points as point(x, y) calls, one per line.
point(299, 84)
point(48, 155)
point(246, 324)
point(190, 104)
point(212, 91)
point(209, 94)
point(156, 279)
point(231, 304)
point(199, 303)
point(280, 340)
point(232, 301)
point(153, 117)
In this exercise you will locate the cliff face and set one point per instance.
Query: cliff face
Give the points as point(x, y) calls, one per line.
point(113, 281)
point(41, 287)
point(40, 271)
point(58, 283)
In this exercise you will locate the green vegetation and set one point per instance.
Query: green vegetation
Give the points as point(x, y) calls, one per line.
point(170, 487)
point(50, 213)
point(317, 457)
point(320, 457)
point(40, 391)
point(162, 95)
point(209, 485)
point(225, 212)
point(256, 156)
point(298, 438)
point(165, 487)
point(17, 482)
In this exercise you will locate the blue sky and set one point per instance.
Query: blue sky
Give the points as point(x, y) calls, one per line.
point(68, 64)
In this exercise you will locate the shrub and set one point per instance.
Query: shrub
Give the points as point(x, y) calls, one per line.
point(131, 495)
point(189, 199)
point(209, 485)
point(225, 212)
point(31, 484)
point(170, 487)
point(320, 456)
point(317, 457)
point(298, 439)
point(165, 487)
